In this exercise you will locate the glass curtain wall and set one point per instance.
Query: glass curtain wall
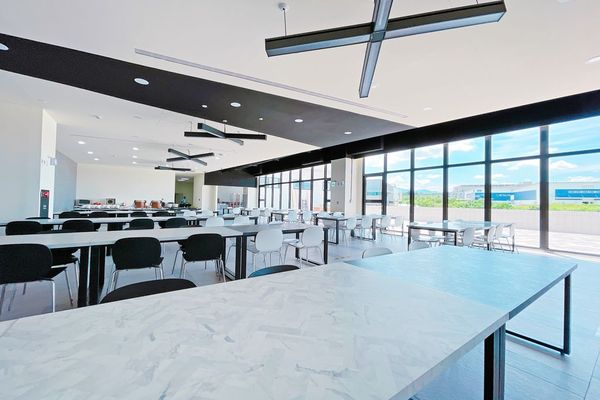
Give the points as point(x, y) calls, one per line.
point(545, 180)
point(304, 189)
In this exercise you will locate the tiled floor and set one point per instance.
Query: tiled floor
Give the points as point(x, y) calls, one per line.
point(531, 373)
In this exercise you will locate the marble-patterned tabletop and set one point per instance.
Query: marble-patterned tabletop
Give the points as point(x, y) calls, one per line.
point(507, 281)
point(332, 332)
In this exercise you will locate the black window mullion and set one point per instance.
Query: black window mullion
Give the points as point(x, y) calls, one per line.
point(544, 188)
point(445, 184)
point(411, 208)
point(487, 191)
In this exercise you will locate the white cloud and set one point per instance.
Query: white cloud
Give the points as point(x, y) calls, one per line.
point(583, 179)
point(422, 182)
point(424, 153)
point(478, 177)
point(463, 145)
point(562, 164)
point(524, 163)
point(433, 176)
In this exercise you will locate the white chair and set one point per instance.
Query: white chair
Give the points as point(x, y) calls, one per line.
point(311, 238)
point(384, 224)
point(236, 211)
point(509, 237)
point(468, 237)
point(487, 240)
point(266, 242)
point(206, 213)
point(189, 213)
point(366, 224)
point(292, 216)
point(349, 226)
point(241, 220)
point(418, 246)
point(376, 251)
point(214, 221)
point(306, 216)
point(255, 212)
point(431, 240)
point(265, 216)
point(398, 224)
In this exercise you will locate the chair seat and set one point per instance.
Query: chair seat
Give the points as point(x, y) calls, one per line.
point(59, 258)
point(421, 238)
point(54, 272)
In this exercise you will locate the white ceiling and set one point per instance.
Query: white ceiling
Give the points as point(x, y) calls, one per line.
point(537, 52)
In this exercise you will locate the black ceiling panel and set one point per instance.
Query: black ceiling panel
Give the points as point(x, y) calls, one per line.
point(322, 126)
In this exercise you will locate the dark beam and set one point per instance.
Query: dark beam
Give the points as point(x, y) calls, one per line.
point(203, 155)
point(248, 136)
point(217, 133)
point(161, 168)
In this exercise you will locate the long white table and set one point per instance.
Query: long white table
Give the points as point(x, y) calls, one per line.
point(332, 332)
point(504, 280)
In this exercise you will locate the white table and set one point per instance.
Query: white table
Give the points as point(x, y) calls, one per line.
point(454, 227)
point(318, 333)
point(108, 220)
point(93, 251)
point(507, 281)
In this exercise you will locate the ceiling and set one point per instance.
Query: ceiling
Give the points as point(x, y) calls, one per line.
point(537, 52)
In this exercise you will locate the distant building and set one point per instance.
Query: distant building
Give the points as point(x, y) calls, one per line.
point(528, 193)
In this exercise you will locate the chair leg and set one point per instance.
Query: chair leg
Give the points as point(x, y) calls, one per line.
point(69, 287)
point(182, 271)
point(223, 270)
point(24, 288)
point(175, 261)
point(162, 272)
point(12, 298)
point(321, 252)
point(253, 262)
point(2, 297)
point(53, 295)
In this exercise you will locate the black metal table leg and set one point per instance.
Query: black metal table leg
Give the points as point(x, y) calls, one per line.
point(409, 236)
point(494, 365)
point(374, 229)
point(243, 256)
point(326, 247)
point(102, 265)
point(94, 275)
point(238, 257)
point(337, 231)
point(297, 250)
point(82, 290)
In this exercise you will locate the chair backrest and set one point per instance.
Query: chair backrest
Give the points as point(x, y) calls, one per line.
point(78, 225)
point(511, 228)
point(366, 221)
point(69, 214)
point(255, 212)
point(236, 211)
point(491, 234)
point(351, 223)
point(23, 228)
point(293, 216)
point(399, 221)
point(267, 212)
point(306, 216)
point(24, 262)
point(468, 236)
point(176, 222)
point(338, 214)
point(147, 288)
point(418, 246)
point(141, 223)
point(386, 221)
point(500, 229)
point(269, 240)
point(189, 213)
point(376, 251)
point(322, 214)
point(214, 221)
point(273, 270)
point(99, 214)
point(206, 213)
point(134, 253)
point(203, 247)
point(162, 214)
point(241, 220)
point(139, 214)
point(312, 236)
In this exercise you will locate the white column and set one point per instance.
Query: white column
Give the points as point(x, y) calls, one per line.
point(346, 186)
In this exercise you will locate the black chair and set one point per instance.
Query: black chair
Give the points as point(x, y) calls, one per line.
point(22, 263)
point(204, 247)
point(176, 222)
point(139, 214)
point(23, 228)
point(136, 253)
point(45, 227)
point(69, 214)
point(98, 214)
point(141, 223)
point(147, 288)
point(162, 214)
point(273, 270)
point(79, 225)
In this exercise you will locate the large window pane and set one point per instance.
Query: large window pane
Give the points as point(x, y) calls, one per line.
point(305, 196)
point(374, 164)
point(262, 179)
point(429, 156)
point(295, 175)
point(575, 203)
point(466, 193)
point(277, 178)
point(306, 174)
point(319, 172)
point(398, 195)
point(295, 195)
point(428, 195)
point(285, 196)
point(582, 134)
point(276, 193)
point(269, 197)
point(466, 151)
point(373, 208)
point(318, 192)
point(269, 178)
point(373, 188)
point(328, 168)
point(516, 198)
point(521, 143)
point(398, 160)
point(285, 176)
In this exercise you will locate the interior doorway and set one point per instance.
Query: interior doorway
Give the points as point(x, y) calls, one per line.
point(184, 190)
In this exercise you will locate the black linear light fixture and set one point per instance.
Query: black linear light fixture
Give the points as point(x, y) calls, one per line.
point(382, 28)
point(189, 157)
point(210, 132)
point(163, 168)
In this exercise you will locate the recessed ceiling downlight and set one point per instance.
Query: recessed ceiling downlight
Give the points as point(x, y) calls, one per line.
point(348, 133)
point(3, 47)
point(81, 142)
point(298, 120)
point(141, 81)
point(235, 104)
point(261, 118)
point(96, 159)
point(204, 106)
point(90, 152)
point(593, 60)
point(135, 148)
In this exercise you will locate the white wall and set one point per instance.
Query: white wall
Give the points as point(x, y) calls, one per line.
point(65, 183)
point(20, 154)
point(47, 152)
point(346, 193)
point(126, 184)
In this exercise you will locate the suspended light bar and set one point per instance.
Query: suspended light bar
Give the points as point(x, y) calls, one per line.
point(162, 168)
point(186, 156)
